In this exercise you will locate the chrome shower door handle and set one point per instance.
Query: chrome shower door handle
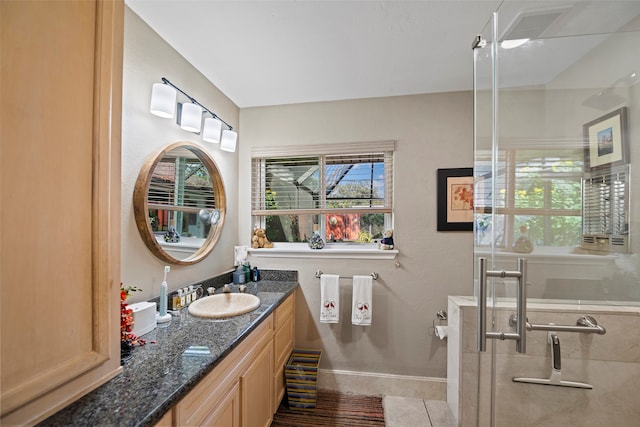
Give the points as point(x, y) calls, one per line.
point(520, 336)
point(521, 307)
point(482, 305)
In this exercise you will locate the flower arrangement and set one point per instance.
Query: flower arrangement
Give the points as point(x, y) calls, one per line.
point(127, 339)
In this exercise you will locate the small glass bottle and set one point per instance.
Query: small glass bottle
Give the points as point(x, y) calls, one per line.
point(176, 301)
point(183, 299)
point(247, 272)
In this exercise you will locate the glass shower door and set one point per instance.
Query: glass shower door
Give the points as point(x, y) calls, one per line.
point(556, 119)
point(485, 228)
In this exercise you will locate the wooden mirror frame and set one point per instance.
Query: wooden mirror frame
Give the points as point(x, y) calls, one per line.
point(141, 205)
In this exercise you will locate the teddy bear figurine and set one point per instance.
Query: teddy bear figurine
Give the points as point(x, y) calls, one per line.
point(387, 241)
point(259, 239)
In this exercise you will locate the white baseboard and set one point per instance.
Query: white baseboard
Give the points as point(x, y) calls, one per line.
point(374, 384)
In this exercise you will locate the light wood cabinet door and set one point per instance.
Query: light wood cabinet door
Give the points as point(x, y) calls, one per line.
point(60, 111)
point(208, 403)
point(257, 388)
point(227, 414)
point(166, 420)
point(283, 339)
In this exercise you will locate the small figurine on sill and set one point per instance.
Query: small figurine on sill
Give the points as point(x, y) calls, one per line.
point(260, 240)
point(387, 241)
point(171, 236)
point(523, 244)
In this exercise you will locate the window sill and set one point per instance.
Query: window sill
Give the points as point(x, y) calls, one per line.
point(555, 255)
point(302, 250)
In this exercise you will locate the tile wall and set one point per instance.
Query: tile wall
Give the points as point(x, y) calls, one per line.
point(609, 362)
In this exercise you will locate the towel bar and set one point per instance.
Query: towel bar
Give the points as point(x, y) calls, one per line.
point(373, 274)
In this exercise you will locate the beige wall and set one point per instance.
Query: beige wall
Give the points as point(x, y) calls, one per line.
point(432, 131)
point(148, 58)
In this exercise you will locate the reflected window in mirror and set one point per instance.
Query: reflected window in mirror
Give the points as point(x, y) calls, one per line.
point(179, 203)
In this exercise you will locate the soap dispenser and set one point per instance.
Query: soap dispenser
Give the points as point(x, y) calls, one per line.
point(239, 276)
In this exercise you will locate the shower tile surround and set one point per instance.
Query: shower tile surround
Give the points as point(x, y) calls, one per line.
point(162, 372)
point(610, 362)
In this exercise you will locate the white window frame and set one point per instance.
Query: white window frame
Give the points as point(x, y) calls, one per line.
point(331, 250)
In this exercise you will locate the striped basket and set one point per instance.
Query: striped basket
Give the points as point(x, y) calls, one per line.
point(301, 374)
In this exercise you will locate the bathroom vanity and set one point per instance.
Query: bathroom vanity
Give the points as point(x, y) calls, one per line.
point(196, 371)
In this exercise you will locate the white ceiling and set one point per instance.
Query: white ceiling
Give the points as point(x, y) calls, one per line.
point(282, 52)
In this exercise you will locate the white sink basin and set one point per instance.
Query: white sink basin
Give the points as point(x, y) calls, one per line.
point(224, 305)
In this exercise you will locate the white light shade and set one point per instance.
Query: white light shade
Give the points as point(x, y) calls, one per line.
point(212, 128)
point(163, 100)
point(191, 117)
point(228, 141)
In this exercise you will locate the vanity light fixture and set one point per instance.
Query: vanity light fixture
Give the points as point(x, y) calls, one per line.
point(228, 141)
point(212, 128)
point(163, 104)
point(190, 117)
point(163, 100)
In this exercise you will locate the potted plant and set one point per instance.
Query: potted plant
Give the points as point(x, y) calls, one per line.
point(127, 339)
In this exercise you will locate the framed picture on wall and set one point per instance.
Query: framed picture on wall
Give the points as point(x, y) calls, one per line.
point(455, 199)
point(606, 141)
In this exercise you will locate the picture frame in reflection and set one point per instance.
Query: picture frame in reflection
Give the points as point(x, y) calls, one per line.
point(606, 141)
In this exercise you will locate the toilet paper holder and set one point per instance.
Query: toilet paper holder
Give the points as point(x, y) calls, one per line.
point(439, 320)
point(441, 317)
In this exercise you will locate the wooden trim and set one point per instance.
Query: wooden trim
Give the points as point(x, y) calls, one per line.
point(15, 397)
point(107, 178)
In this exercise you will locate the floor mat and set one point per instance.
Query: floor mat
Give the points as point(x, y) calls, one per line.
point(334, 410)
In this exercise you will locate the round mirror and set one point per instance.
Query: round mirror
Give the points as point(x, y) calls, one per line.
point(179, 204)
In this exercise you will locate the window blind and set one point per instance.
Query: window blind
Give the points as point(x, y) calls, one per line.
point(606, 210)
point(181, 184)
point(356, 178)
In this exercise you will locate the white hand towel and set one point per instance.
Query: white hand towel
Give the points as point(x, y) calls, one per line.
point(329, 298)
point(362, 300)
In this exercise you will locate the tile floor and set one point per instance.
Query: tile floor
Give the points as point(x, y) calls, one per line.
point(411, 412)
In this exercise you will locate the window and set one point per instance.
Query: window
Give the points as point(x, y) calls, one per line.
point(537, 191)
point(605, 224)
point(342, 192)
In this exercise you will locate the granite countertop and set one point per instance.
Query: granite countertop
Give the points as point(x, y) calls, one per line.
point(184, 351)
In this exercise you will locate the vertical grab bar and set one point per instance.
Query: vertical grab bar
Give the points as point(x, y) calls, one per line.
point(520, 336)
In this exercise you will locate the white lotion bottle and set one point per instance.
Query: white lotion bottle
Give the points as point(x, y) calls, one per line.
point(163, 316)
